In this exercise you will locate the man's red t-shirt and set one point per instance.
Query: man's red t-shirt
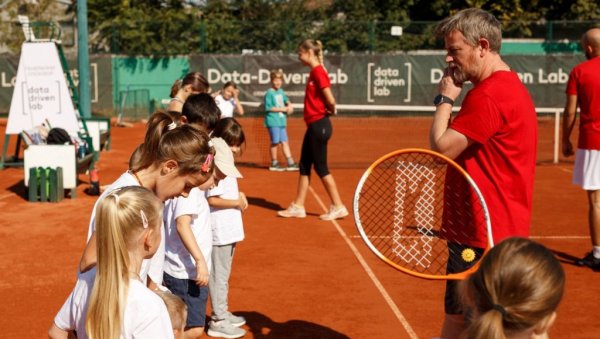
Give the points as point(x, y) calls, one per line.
point(584, 82)
point(314, 99)
point(499, 115)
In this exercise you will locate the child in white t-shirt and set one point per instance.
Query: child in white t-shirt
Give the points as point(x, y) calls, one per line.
point(110, 300)
point(226, 203)
point(228, 100)
point(188, 242)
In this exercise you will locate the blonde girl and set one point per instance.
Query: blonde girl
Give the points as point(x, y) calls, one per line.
point(319, 104)
point(514, 293)
point(171, 161)
point(192, 83)
point(111, 301)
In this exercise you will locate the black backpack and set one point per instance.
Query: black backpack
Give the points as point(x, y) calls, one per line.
point(58, 136)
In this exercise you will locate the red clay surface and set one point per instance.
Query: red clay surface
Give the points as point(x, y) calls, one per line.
point(292, 278)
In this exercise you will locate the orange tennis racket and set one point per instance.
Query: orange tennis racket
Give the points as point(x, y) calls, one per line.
point(421, 213)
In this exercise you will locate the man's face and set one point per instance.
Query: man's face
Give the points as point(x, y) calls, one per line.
point(461, 57)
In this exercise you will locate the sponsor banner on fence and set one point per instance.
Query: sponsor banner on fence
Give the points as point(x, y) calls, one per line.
point(359, 82)
point(380, 82)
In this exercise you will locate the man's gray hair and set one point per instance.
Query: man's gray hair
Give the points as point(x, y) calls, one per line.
point(473, 23)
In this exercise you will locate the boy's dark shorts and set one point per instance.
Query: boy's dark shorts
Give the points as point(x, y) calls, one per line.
point(194, 296)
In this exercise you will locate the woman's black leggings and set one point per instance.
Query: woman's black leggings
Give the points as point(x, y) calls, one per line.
point(314, 147)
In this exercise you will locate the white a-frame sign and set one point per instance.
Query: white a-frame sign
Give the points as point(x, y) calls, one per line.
point(41, 91)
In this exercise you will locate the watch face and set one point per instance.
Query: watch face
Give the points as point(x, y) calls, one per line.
point(440, 99)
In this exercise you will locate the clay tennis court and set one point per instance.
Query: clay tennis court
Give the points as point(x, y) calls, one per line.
point(292, 278)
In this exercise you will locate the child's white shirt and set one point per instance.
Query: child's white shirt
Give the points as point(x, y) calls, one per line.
point(150, 267)
point(226, 106)
point(227, 225)
point(145, 314)
point(178, 261)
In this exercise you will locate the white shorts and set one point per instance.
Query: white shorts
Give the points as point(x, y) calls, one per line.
point(586, 172)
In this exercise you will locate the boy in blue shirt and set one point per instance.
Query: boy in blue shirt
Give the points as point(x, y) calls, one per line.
point(277, 107)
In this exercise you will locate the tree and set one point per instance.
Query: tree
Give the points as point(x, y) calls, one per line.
point(40, 13)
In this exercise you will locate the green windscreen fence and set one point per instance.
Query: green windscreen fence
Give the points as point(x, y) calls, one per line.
point(135, 104)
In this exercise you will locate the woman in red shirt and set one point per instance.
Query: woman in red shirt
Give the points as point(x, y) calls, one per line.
point(319, 104)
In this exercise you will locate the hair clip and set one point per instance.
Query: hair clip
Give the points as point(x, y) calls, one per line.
point(144, 219)
point(172, 126)
point(206, 165)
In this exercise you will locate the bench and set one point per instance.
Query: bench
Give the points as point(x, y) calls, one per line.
point(54, 156)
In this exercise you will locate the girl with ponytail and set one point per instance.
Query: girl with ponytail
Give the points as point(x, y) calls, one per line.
point(110, 301)
point(319, 104)
point(192, 83)
point(514, 293)
point(172, 160)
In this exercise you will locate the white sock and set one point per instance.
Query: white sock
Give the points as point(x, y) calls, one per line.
point(596, 251)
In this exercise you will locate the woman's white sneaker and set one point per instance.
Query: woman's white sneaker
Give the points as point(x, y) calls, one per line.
point(293, 211)
point(335, 213)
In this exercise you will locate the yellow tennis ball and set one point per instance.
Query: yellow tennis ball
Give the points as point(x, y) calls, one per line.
point(468, 255)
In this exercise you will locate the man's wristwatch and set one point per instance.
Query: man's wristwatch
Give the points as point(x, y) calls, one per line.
point(442, 99)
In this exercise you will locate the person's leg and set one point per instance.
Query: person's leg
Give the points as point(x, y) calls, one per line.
point(586, 173)
point(285, 147)
point(454, 319)
point(593, 259)
point(332, 190)
point(273, 151)
point(296, 209)
point(220, 324)
point(322, 131)
point(594, 216)
point(195, 298)
point(218, 284)
point(303, 183)
point(275, 141)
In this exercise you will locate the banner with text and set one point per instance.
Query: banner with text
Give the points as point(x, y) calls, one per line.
point(100, 81)
point(359, 82)
point(41, 91)
point(377, 82)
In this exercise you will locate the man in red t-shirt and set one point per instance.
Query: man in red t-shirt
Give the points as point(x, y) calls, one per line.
point(583, 89)
point(494, 135)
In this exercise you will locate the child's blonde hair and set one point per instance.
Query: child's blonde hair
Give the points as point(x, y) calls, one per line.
point(176, 307)
point(121, 218)
point(314, 45)
point(276, 74)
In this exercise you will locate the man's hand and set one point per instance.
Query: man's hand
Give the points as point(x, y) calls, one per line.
point(567, 148)
point(447, 86)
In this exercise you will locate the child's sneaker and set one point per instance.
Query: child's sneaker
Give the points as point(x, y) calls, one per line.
point(236, 320)
point(224, 329)
point(294, 211)
point(292, 167)
point(276, 168)
point(335, 213)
